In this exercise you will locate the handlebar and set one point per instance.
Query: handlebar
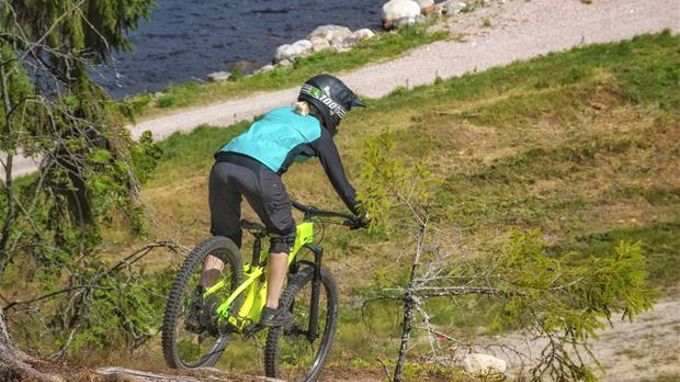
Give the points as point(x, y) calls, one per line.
point(351, 221)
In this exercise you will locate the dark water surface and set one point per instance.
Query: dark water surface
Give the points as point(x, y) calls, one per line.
point(185, 40)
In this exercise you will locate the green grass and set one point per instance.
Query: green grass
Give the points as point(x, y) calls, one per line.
point(382, 47)
point(191, 153)
point(645, 68)
point(661, 243)
point(583, 145)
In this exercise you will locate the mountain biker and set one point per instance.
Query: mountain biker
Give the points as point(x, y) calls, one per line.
point(251, 165)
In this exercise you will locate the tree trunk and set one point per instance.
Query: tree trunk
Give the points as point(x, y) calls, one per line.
point(405, 336)
point(409, 304)
point(14, 364)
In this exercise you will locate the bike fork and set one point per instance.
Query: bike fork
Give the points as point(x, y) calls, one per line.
point(316, 285)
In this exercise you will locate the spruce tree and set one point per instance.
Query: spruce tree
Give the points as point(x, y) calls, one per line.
point(89, 167)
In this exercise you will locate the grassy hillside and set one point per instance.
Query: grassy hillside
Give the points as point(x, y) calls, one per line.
point(583, 145)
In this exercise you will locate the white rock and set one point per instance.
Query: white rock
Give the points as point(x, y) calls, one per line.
point(343, 44)
point(410, 21)
point(292, 51)
point(404, 22)
point(283, 52)
point(329, 32)
point(266, 68)
point(477, 363)
point(451, 7)
point(319, 44)
point(303, 45)
point(363, 34)
point(219, 76)
point(286, 63)
point(426, 6)
point(395, 10)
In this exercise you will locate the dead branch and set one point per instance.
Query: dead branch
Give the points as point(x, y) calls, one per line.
point(15, 359)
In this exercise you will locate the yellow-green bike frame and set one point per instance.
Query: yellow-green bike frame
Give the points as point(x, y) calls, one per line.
point(255, 286)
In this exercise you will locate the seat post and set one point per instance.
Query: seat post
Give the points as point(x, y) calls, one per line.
point(257, 249)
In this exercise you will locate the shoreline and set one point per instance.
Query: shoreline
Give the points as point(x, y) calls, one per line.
point(182, 41)
point(527, 30)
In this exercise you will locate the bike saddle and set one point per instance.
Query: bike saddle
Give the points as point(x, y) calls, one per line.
point(254, 228)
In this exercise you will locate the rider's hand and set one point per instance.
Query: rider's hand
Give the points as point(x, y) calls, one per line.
point(362, 219)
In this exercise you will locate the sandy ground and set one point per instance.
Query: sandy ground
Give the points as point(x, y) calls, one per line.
point(519, 30)
point(645, 349)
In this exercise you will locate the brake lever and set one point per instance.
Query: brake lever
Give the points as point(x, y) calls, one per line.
point(353, 223)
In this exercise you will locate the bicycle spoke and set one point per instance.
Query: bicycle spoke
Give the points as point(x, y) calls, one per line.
point(297, 357)
point(191, 333)
point(196, 344)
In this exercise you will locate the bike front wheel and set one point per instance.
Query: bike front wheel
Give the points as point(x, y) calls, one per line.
point(291, 352)
point(192, 337)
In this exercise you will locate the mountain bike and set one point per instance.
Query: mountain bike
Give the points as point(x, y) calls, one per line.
point(232, 306)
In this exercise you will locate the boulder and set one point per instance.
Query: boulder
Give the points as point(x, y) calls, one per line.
point(451, 7)
point(292, 51)
point(481, 364)
point(410, 21)
point(319, 43)
point(219, 76)
point(283, 52)
point(304, 46)
point(404, 22)
point(329, 32)
point(363, 34)
point(286, 63)
point(264, 69)
point(426, 7)
point(395, 10)
point(343, 44)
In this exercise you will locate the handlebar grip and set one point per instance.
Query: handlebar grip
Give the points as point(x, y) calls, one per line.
point(354, 223)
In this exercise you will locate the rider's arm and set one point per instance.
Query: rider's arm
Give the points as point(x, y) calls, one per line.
point(330, 160)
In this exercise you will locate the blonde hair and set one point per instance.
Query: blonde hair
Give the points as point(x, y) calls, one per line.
point(302, 108)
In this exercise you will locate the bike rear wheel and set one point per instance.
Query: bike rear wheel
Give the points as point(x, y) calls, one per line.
point(289, 352)
point(189, 342)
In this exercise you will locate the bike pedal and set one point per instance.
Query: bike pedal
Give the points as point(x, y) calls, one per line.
point(251, 330)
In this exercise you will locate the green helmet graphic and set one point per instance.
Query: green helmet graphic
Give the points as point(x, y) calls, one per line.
point(331, 97)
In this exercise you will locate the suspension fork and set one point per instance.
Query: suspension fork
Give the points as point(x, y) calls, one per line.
point(313, 334)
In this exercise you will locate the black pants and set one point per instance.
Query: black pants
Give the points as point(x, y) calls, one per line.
point(234, 176)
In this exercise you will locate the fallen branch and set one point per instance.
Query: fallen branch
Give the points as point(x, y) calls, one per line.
point(197, 375)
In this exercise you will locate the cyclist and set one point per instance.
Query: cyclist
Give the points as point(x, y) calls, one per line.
point(251, 165)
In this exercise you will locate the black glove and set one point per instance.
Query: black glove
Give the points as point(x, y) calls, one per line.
point(362, 219)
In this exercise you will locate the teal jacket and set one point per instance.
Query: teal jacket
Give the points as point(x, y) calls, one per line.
point(282, 137)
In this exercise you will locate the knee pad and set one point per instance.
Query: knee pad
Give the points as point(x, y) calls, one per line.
point(281, 243)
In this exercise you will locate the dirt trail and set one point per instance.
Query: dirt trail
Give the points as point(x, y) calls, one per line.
point(645, 349)
point(518, 30)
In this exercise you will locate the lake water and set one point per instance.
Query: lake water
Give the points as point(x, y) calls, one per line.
point(185, 40)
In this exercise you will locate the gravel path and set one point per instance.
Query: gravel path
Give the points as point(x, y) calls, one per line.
point(519, 30)
point(647, 348)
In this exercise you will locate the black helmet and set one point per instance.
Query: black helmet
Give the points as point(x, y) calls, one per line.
point(331, 97)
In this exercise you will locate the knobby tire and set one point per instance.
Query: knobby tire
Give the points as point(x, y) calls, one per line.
point(295, 285)
point(228, 252)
